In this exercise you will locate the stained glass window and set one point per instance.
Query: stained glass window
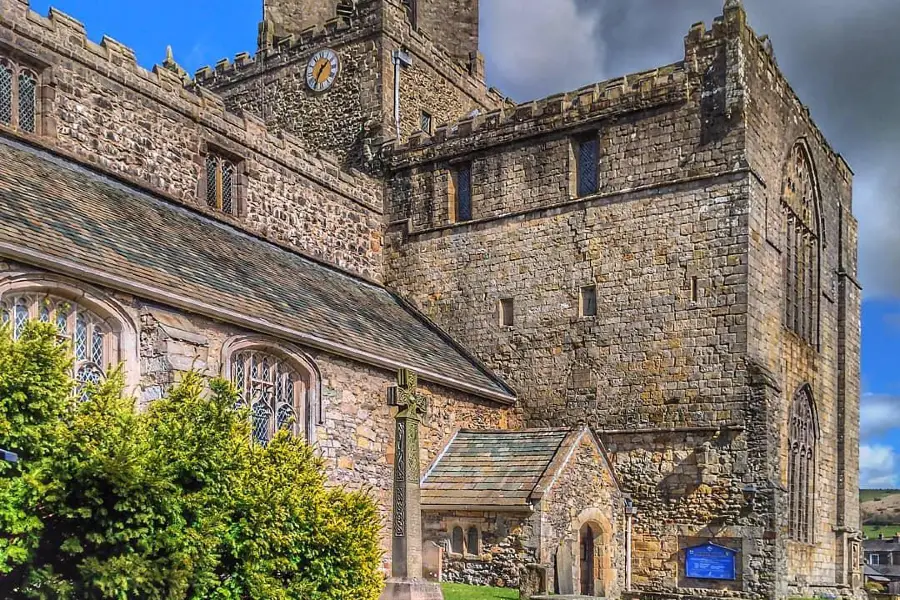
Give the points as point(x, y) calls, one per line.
point(801, 466)
point(93, 343)
point(273, 389)
point(801, 246)
point(18, 96)
point(588, 162)
point(221, 184)
point(6, 91)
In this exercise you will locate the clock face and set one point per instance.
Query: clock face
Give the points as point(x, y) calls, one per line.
point(322, 70)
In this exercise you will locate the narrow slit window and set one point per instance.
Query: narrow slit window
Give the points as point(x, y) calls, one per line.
point(425, 122)
point(473, 545)
point(695, 289)
point(588, 301)
point(457, 541)
point(587, 155)
point(412, 13)
point(462, 193)
point(507, 316)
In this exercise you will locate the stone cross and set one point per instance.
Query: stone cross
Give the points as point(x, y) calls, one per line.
point(406, 527)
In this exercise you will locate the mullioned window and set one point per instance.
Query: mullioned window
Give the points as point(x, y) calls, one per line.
point(799, 204)
point(802, 441)
point(19, 87)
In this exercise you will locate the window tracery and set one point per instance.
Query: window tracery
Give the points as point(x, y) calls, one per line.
point(275, 390)
point(801, 466)
point(93, 341)
point(801, 242)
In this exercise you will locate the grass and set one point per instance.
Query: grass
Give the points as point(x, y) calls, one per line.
point(873, 531)
point(458, 591)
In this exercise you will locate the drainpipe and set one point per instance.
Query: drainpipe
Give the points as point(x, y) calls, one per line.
point(630, 513)
point(401, 59)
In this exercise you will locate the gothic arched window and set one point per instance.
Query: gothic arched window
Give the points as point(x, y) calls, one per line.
point(94, 343)
point(799, 205)
point(277, 390)
point(802, 465)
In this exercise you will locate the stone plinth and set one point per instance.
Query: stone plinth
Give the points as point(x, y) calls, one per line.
point(411, 589)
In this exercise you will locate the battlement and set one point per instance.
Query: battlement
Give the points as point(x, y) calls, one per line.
point(733, 23)
point(761, 48)
point(620, 95)
point(362, 23)
point(68, 37)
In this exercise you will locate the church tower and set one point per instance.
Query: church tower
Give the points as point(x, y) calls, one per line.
point(345, 75)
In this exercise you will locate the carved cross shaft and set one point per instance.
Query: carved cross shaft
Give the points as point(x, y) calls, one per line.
point(407, 521)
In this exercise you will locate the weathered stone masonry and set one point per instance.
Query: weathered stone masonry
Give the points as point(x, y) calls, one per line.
point(687, 370)
point(101, 107)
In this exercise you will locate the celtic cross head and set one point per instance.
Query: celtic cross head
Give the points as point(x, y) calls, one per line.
point(405, 395)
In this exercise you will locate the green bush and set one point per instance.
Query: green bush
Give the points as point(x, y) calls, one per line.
point(170, 503)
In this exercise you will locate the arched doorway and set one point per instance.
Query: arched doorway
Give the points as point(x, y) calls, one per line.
point(587, 562)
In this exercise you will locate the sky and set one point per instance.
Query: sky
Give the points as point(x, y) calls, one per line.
point(842, 58)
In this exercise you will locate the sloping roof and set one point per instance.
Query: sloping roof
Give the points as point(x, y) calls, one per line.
point(59, 215)
point(890, 571)
point(874, 575)
point(890, 544)
point(498, 469)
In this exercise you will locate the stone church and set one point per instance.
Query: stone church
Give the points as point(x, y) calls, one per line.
point(632, 307)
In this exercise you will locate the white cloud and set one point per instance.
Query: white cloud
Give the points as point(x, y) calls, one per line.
point(878, 467)
point(535, 48)
point(878, 415)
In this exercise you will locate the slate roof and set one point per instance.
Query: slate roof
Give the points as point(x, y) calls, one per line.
point(57, 214)
point(889, 571)
point(497, 469)
point(886, 545)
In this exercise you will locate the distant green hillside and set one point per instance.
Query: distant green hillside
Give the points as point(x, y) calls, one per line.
point(868, 495)
point(880, 512)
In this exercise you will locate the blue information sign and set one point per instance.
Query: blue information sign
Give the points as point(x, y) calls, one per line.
point(710, 562)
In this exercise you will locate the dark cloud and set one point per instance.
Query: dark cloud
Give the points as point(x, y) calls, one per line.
point(842, 58)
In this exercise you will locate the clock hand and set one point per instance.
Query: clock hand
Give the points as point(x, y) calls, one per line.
point(321, 69)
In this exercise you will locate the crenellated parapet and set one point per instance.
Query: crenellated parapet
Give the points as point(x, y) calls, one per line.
point(41, 36)
point(619, 96)
point(363, 23)
point(733, 28)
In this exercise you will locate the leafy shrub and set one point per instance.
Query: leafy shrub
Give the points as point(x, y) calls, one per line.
point(170, 503)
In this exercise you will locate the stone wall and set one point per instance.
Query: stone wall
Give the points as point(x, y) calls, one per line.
point(506, 546)
point(103, 109)
point(682, 368)
point(351, 119)
point(356, 431)
point(830, 367)
point(451, 23)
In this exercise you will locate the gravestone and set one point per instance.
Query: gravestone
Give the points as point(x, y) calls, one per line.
point(406, 582)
